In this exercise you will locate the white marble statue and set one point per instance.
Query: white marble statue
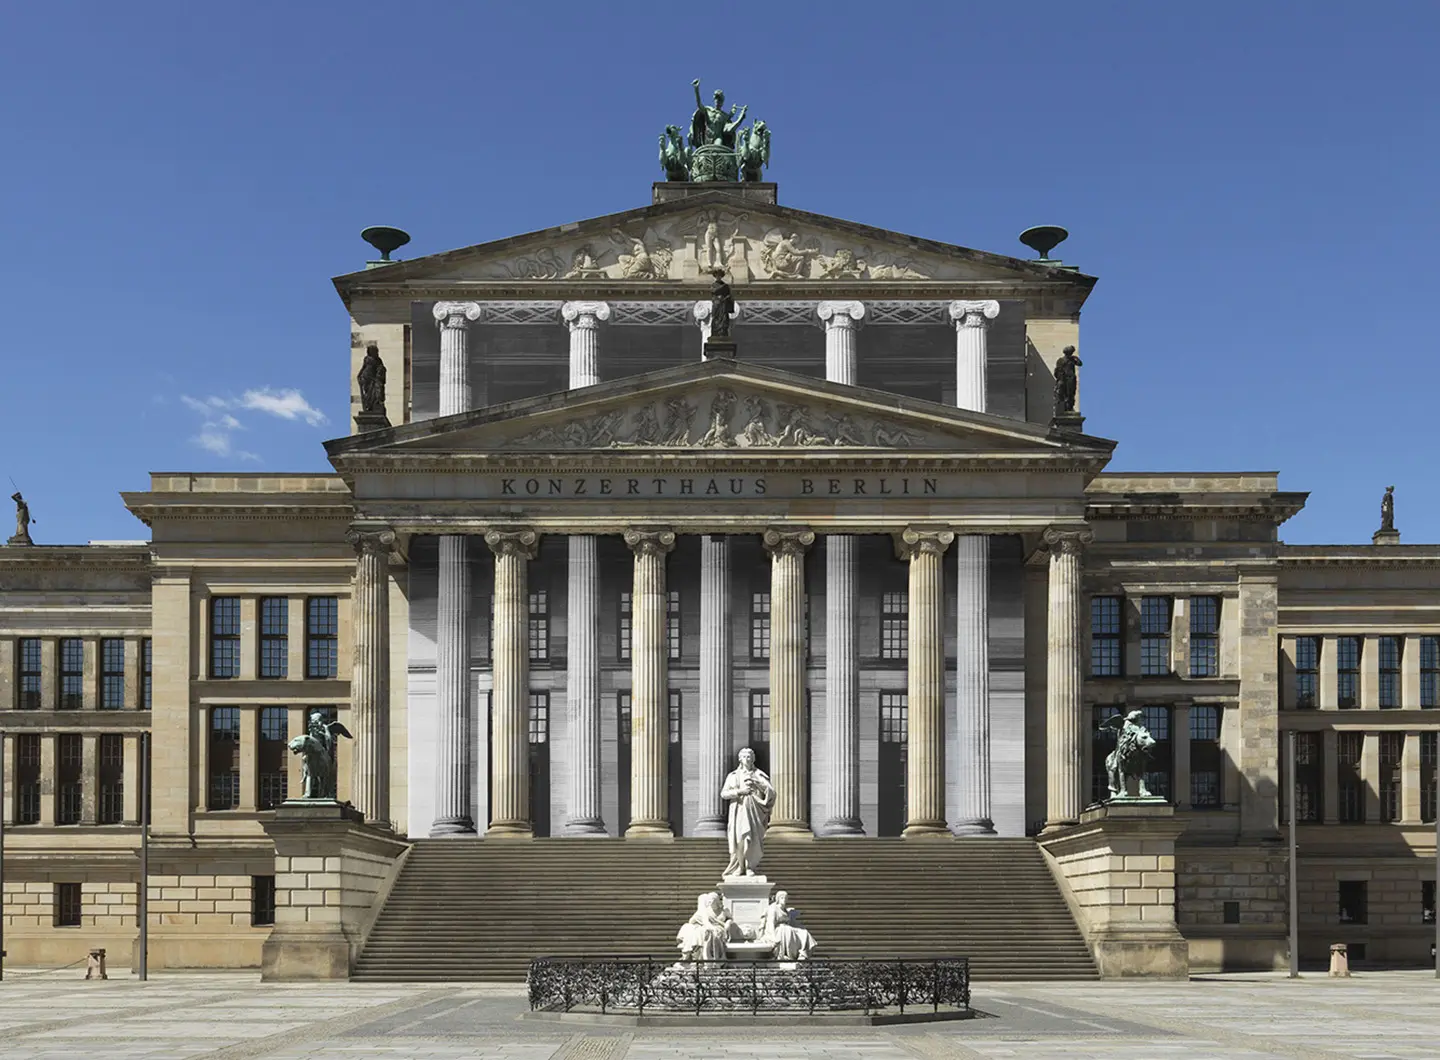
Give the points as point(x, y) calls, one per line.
point(704, 935)
point(750, 795)
point(783, 929)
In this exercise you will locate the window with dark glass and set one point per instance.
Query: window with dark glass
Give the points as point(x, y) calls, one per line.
point(27, 663)
point(672, 624)
point(1429, 752)
point(760, 717)
point(1309, 777)
point(274, 637)
point(1307, 672)
point(673, 719)
point(1162, 755)
point(622, 714)
point(1102, 743)
point(1392, 747)
point(894, 717)
point(224, 758)
point(67, 905)
point(1347, 677)
point(539, 625)
point(1231, 911)
point(1354, 902)
point(1206, 761)
point(1390, 649)
point(1155, 636)
point(112, 673)
point(224, 637)
point(1107, 628)
point(1430, 672)
point(894, 625)
point(110, 774)
point(270, 758)
point(759, 626)
point(262, 901)
point(147, 672)
point(1204, 636)
point(72, 673)
point(1349, 750)
point(27, 778)
point(538, 718)
point(627, 618)
point(1427, 901)
point(322, 632)
point(69, 766)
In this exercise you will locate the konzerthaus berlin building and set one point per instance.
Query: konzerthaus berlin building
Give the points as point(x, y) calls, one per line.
point(586, 564)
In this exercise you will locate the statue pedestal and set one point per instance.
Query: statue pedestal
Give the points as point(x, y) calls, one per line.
point(1069, 422)
point(720, 348)
point(1379, 537)
point(332, 873)
point(746, 898)
point(371, 421)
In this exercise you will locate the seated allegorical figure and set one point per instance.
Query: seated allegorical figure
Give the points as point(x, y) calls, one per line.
point(704, 935)
point(782, 927)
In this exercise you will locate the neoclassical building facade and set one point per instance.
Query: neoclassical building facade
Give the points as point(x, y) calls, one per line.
point(572, 565)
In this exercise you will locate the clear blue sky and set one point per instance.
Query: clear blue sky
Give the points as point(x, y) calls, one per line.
point(1254, 183)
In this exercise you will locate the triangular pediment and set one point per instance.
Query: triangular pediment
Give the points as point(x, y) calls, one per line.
point(678, 242)
point(719, 407)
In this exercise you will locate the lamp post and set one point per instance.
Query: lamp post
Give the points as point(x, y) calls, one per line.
point(1294, 869)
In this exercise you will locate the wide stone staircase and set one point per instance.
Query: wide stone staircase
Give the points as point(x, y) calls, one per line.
point(465, 909)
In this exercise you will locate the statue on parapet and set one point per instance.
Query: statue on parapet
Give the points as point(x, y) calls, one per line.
point(751, 796)
point(371, 380)
point(714, 124)
point(752, 147)
point(1125, 766)
point(722, 305)
point(1067, 380)
point(674, 155)
point(1387, 511)
point(22, 521)
point(317, 751)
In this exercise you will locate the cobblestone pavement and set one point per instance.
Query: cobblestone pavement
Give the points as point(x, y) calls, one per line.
point(1379, 1016)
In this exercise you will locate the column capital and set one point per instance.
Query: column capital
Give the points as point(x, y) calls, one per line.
point(588, 315)
point(371, 542)
point(650, 542)
point(913, 541)
point(1068, 542)
point(513, 542)
point(788, 542)
point(455, 314)
point(845, 315)
point(971, 313)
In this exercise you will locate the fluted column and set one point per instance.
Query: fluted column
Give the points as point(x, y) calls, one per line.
point(649, 699)
point(701, 313)
point(789, 750)
point(925, 734)
point(842, 320)
point(584, 319)
point(842, 688)
point(510, 702)
point(972, 323)
point(452, 691)
point(454, 320)
point(716, 659)
point(370, 673)
point(1063, 720)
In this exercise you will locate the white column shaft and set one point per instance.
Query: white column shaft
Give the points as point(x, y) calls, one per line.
point(452, 691)
point(583, 319)
point(715, 682)
point(649, 698)
point(510, 702)
point(454, 319)
point(583, 687)
point(1064, 724)
point(370, 674)
point(972, 325)
point(842, 686)
point(972, 686)
point(789, 751)
point(925, 743)
point(841, 319)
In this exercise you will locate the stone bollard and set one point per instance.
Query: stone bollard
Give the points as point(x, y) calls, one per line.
point(95, 963)
point(1339, 961)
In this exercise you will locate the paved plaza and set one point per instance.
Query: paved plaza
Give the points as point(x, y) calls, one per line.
point(229, 1017)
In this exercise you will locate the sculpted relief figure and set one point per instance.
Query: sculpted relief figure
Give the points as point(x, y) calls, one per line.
point(584, 265)
point(679, 414)
point(782, 928)
point(722, 407)
point(842, 265)
point(643, 263)
point(757, 417)
point(704, 935)
point(784, 258)
point(795, 427)
point(751, 796)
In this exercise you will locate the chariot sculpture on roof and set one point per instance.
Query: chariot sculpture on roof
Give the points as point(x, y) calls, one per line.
point(719, 150)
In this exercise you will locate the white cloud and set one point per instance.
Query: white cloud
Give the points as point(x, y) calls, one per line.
point(216, 428)
point(287, 403)
point(219, 425)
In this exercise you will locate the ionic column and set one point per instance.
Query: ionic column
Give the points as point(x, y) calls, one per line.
point(649, 700)
point(841, 319)
point(972, 323)
point(789, 752)
point(452, 692)
point(584, 319)
point(1063, 721)
point(510, 702)
point(925, 732)
point(370, 673)
point(454, 320)
point(701, 313)
point(715, 683)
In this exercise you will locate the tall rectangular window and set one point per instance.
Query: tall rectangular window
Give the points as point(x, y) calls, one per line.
point(111, 776)
point(224, 779)
point(72, 673)
point(1347, 677)
point(894, 718)
point(274, 637)
point(1430, 672)
point(760, 718)
point(627, 625)
point(672, 729)
point(147, 672)
point(67, 905)
point(537, 722)
point(27, 665)
point(1427, 901)
point(672, 624)
point(1307, 672)
point(1429, 752)
point(759, 626)
point(1107, 630)
point(1101, 744)
point(1206, 760)
point(27, 778)
point(1309, 777)
point(262, 900)
point(1349, 750)
point(1155, 636)
point(112, 673)
point(322, 633)
point(1390, 649)
point(1392, 747)
point(539, 626)
point(69, 767)
point(623, 716)
point(1204, 636)
point(1162, 755)
point(270, 764)
point(224, 637)
point(894, 625)
point(1354, 902)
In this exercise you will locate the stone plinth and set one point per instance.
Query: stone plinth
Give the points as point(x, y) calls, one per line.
point(746, 899)
point(371, 421)
point(1117, 869)
point(1068, 423)
point(332, 874)
point(720, 348)
point(1385, 537)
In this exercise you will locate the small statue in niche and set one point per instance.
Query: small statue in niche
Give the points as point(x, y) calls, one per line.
point(22, 521)
point(372, 381)
point(722, 305)
point(1387, 510)
point(317, 751)
point(1067, 380)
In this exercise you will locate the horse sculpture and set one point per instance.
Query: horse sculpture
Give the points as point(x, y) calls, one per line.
point(753, 149)
point(674, 155)
point(1125, 766)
